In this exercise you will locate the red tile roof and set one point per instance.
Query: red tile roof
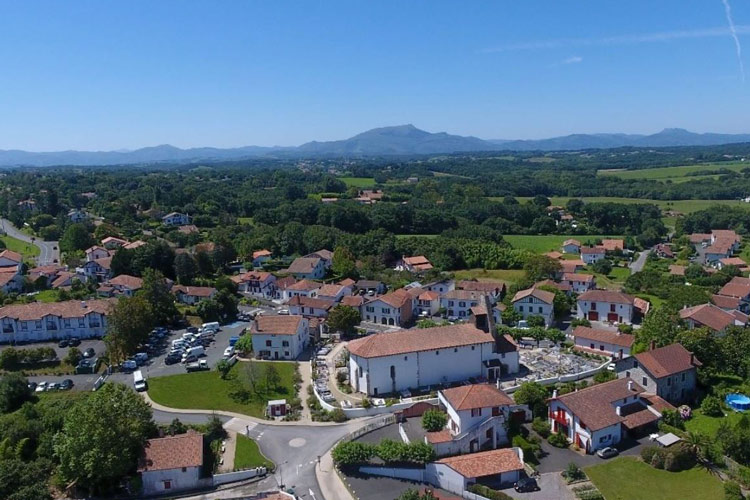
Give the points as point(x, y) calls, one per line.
point(554, 255)
point(592, 250)
point(353, 300)
point(677, 270)
point(393, 299)
point(667, 360)
point(615, 338)
point(485, 463)
point(583, 278)
point(543, 295)
point(571, 242)
point(172, 452)
point(611, 245)
point(571, 266)
point(11, 255)
point(463, 295)
point(302, 301)
point(699, 238)
point(467, 397)
point(593, 405)
point(278, 325)
point(606, 296)
point(708, 315)
point(261, 253)
point(67, 309)
point(304, 286)
point(330, 290)
point(251, 276)
point(725, 302)
point(127, 281)
point(194, 291)
point(303, 265)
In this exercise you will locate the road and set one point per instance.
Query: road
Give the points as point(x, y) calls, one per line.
point(49, 251)
point(637, 265)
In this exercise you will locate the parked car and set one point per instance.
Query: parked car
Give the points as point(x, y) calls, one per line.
point(228, 352)
point(52, 386)
point(173, 357)
point(284, 312)
point(192, 329)
point(74, 342)
point(526, 484)
point(89, 353)
point(233, 340)
point(66, 384)
point(197, 366)
point(41, 386)
point(140, 358)
point(129, 365)
point(607, 452)
point(32, 386)
point(63, 344)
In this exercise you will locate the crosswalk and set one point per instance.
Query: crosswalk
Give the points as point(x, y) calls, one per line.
point(240, 425)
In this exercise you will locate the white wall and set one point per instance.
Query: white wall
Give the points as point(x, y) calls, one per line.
point(604, 348)
point(153, 481)
point(531, 306)
point(624, 311)
point(277, 349)
point(36, 331)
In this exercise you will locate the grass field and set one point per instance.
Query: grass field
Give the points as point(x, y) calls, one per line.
point(676, 174)
point(509, 275)
point(546, 243)
point(358, 182)
point(46, 296)
point(684, 206)
point(27, 250)
point(248, 455)
point(207, 391)
point(628, 478)
point(709, 425)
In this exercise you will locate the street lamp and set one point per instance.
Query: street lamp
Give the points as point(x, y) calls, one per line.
point(281, 474)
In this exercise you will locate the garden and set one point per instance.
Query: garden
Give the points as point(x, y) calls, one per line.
point(247, 455)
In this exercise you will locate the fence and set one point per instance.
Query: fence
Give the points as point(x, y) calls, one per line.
point(562, 378)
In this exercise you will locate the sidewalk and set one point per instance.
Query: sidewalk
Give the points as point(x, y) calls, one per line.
point(305, 372)
point(228, 455)
point(332, 382)
point(329, 482)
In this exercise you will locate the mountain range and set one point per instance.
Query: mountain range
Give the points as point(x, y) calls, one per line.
point(398, 140)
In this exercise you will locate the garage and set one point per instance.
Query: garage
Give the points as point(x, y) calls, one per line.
point(593, 316)
point(612, 317)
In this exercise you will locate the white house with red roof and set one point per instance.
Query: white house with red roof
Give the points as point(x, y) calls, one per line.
point(589, 255)
point(417, 264)
point(602, 342)
point(171, 464)
point(310, 306)
point(280, 337)
point(193, 294)
point(260, 257)
point(579, 283)
point(333, 292)
point(175, 219)
point(301, 288)
point(571, 246)
point(256, 283)
point(40, 321)
point(96, 252)
point(386, 363)
point(428, 303)
point(709, 316)
point(535, 302)
point(458, 303)
point(311, 268)
point(605, 305)
point(126, 285)
point(9, 258)
point(393, 309)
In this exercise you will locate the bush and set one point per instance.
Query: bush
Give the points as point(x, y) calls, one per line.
point(352, 452)
point(434, 420)
point(604, 376)
point(487, 492)
point(366, 403)
point(338, 415)
point(390, 451)
point(648, 452)
point(530, 450)
point(711, 407)
point(558, 440)
point(573, 473)
point(657, 461)
point(580, 322)
point(541, 427)
point(672, 418)
point(732, 491)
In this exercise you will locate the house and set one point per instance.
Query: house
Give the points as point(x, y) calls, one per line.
point(113, 243)
point(134, 244)
point(49, 273)
point(188, 229)
point(282, 284)
point(498, 468)
point(602, 342)
point(98, 269)
point(387, 363)
point(63, 279)
point(369, 196)
point(370, 287)
point(535, 302)
point(309, 306)
point(717, 251)
point(175, 219)
point(709, 316)
point(441, 286)
point(569, 267)
point(726, 237)
point(40, 321)
point(601, 415)
point(333, 293)
point(458, 303)
point(347, 282)
point(11, 280)
point(733, 261)
point(571, 246)
point(579, 283)
point(75, 215)
point(260, 257)
point(276, 408)
point(280, 337)
point(562, 286)
point(554, 255)
point(613, 245)
point(171, 464)
point(428, 304)
point(739, 288)
point(305, 288)
point(495, 290)
point(700, 238)
point(664, 251)
point(9, 258)
point(670, 372)
point(389, 309)
point(312, 268)
point(589, 255)
point(27, 205)
point(96, 252)
point(417, 264)
point(605, 305)
point(256, 283)
point(355, 301)
point(325, 255)
point(478, 416)
point(125, 284)
point(191, 295)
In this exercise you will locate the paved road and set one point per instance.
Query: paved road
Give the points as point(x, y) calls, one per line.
point(637, 265)
point(49, 251)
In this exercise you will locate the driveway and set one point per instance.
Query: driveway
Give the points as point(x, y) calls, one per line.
point(637, 265)
point(557, 459)
point(49, 251)
point(551, 487)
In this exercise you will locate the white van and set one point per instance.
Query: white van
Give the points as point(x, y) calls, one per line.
point(138, 381)
point(193, 352)
point(213, 325)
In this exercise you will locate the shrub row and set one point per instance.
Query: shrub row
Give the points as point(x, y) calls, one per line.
point(389, 451)
point(487, 492)
point(674, 459)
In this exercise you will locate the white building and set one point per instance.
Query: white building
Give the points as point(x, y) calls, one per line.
point(280, 337)
point(175, 219)
point(535, 302)
point(193, 294)
point(500, 468)
point(302, 288)
point(334, 293)
point(309, 306)
point(428, 303)
point(311, 268)
point(260, 257)
point(37, 321)
point(387, 363)
point(571, 246)
point(172, 464)
point(125, 284)
point(96, 252)
point(458, 303)
point(602, 342)
point(600, 415)
point(579, 283)
point(256, 283)
point(11, 280)
point(605, 305)
point(390, 309)
point(9, 258)
point(75, 215)
point(99, 269)
point(589, 255)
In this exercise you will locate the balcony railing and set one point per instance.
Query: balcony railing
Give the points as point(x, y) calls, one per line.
point(558, 417)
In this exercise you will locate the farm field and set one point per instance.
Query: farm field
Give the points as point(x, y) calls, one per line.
point(545, 243)
point(675, 174)
point(358, 182)
point(684, 206)
point(509, 275)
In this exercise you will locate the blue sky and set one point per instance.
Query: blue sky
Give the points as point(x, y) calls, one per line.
point(127, 74)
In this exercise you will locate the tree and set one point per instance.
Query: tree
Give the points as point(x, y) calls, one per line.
point(102, 437)
point(602, 266)
point(176, 427)
point(534, 395)
point(711, 407)
point(352, 452)
point(244, 344)
point(434, 420)
point(555, 335)
point(14, 391)
point(128, 325)
point(185, 268)
point(273, 379)
point(158, 296)
point(76, 237)
point(343, 264)
point(537, 333)
point(540, 267)
point(73, 357)
point(344, 319)
point(223, 367)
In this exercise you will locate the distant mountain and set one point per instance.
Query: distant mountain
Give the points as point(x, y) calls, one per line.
point(398, 140)
point(665, 138)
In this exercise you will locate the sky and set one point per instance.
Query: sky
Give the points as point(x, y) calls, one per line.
point(93, 75)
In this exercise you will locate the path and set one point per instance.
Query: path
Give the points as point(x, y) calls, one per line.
point(305, 371)
point(637, 265)
point(333, 385)
point(49, 251)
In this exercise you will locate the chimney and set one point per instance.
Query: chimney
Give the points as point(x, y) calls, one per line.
point(652, 345)
point(83, 304)
point(618, 410)
point(630, 385)
point(554, 393)
point(497, 384)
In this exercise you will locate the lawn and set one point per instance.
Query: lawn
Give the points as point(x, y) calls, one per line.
point(628, 478)
point(684, 206)
point(675, 173)
point(46, 296)
point(248, 455)
point(27, 250)
point(509, 275)
point(358, 182)
point(709, 425)
point(547, 242)
point(207, 391)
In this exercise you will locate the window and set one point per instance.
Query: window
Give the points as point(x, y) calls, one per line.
point(601, 347)
point(285, 343)
point(66, 322)
point(81, 323)
point(450, 303)
point(644, 382)
point(406, 358)
point(592, 345)
point(462, 304)
point(286, 353)
point(476, 412)
point(455, 349)
point(386, 310)
point(627, 374)
point(520, 308)
point(370, 309)
point(268, 343)
point(611, 308)
point(37, 324)
point(184, 469)
point(437, 353)
point(472, 347)
point(635, 363)
point(593, 306)
point(393, 371)
point(683, 376)
point(669, 381)
point(360, 371)
point(541, 310)
point(167, 485)
point(24, 325)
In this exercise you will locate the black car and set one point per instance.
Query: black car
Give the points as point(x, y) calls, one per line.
point(172, 359)
point(74, 341)
point(526, 484)
point(89, 353)
point(63, 344)
point(66, 384)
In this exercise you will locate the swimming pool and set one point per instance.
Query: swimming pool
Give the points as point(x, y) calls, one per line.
point(738, 402)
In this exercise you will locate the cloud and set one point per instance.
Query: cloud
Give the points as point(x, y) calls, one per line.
point(572, 60)
point(733, 32)
point(630, 39)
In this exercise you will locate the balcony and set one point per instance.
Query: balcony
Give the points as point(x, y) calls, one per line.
point(558, 417)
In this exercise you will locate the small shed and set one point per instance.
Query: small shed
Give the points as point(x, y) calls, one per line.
point(276, 408)
point(667, 440)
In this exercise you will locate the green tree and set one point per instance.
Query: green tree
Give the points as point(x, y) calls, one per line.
point(157, 294)
point(602, 266)
point(128, 324)
point(273, 379)
point(176, 427)
point(343, 264)
point(711, 407)
point(73, 357)
point(434, 420)
point(344, 319)
point(535, 396)
point(102, 437)
point(14, 391)
point(185, 268)
point(540, 267)
point(76, 237)
point(352, 452)
point(223, 367)
point(244, 344)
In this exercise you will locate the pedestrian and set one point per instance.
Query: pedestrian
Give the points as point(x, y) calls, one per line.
point(247, 430)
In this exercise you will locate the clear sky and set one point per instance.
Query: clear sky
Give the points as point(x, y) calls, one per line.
point(101, 75)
